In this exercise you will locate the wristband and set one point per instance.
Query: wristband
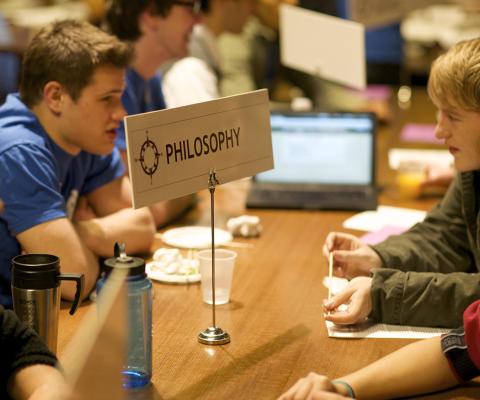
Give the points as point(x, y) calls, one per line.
point(347, 386)
point(455, 349)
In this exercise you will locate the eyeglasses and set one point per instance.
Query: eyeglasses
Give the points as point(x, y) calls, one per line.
point(195, 5)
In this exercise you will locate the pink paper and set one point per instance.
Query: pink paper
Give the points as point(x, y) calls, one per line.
point(424, 133)
point(378, 92)
point(382, 234)
point(375, 92)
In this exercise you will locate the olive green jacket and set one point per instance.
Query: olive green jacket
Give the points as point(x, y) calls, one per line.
point(430, 273)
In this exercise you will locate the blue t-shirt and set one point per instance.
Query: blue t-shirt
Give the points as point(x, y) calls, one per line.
point(138, 97)
point(39, 181)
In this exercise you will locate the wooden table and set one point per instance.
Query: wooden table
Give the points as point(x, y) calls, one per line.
point(274, 318)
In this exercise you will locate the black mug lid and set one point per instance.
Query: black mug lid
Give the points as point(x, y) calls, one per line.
point(35, 271)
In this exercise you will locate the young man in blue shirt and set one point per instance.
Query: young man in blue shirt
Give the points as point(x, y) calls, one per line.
point(160, 31)
point(57, 145)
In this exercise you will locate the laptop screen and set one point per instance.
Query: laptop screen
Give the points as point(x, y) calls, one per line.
point(322, 148)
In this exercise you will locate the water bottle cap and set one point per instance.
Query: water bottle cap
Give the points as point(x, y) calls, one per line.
point(135, 265)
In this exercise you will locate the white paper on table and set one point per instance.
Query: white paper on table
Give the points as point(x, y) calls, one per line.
point(372, 221)
point(440, 158)
point(369, 329)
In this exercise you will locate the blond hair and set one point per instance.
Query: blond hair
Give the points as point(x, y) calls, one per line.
point(455, 77)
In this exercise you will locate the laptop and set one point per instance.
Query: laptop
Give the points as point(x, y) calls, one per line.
point(322, 161)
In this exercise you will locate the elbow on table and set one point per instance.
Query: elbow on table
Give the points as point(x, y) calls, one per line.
point(147, 221)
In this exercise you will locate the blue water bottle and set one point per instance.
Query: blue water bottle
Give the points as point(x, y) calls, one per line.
point(137, 371)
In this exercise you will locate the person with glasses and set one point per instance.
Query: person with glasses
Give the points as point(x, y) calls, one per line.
point(160, 31)
point(197, 78)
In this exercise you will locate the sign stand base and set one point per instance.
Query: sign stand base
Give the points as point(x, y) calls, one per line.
point(214, 336)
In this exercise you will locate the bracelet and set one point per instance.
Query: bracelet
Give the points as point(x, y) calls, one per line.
point(347, 386)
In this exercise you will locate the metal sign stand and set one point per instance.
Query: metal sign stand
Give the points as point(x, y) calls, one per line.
point(213, 335)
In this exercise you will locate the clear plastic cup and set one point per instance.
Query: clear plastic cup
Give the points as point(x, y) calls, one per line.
point(224, 264)
point(410, 176)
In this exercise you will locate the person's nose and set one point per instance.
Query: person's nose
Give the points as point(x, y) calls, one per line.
point(119, 112)
point(197, 12)
point(442, 130)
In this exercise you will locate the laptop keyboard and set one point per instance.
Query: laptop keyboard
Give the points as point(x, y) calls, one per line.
point(354, 200)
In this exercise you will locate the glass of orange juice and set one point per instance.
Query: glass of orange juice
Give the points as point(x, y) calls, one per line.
point(410, 175)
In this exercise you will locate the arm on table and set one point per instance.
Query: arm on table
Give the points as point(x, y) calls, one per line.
point(39, 382)
point(60, 237)
point(116, 221)
point(27, 367)
point(408, 298)
point(397, 374)
point(351, 257)
point(438, 244)
point(402, 373)
point(78, 244)
point(164, 211)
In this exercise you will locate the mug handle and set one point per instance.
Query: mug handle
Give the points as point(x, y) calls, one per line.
point(80, 280)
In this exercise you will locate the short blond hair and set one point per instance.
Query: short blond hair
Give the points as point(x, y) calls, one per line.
point(455, 77)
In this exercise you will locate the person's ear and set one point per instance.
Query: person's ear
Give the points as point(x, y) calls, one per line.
point(54, 96)
point(148, 20)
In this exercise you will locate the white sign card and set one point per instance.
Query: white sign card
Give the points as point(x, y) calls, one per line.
point(328, 47)
point(373, 13)
point(171, 152)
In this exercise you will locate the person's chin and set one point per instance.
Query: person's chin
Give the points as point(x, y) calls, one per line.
point(105, 149)
point(462, 167)
point(109, 148)
point(182, 50)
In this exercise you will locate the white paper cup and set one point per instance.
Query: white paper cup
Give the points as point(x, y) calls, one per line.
point(224, 263)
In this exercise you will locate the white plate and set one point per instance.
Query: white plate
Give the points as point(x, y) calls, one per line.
point(195, 237)
point(170, 278)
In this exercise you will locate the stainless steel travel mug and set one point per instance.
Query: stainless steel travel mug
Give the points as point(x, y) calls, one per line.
point(36, 293)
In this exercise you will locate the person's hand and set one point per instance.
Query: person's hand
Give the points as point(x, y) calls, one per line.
point(351, 257)
point(357, 296)
point(83, 211)
point(313, 387)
